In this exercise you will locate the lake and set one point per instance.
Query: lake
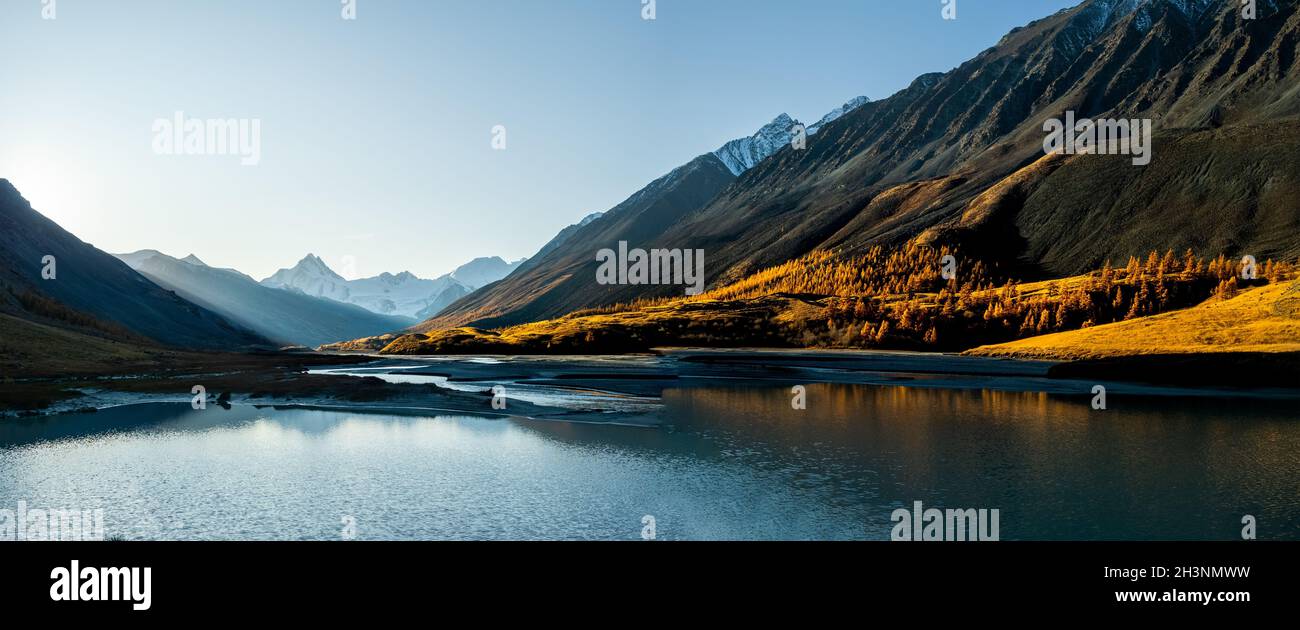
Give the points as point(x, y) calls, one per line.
point(724, 461)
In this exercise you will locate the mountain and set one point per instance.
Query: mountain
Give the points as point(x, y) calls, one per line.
point(837, 113)
point(94, 290)
point(286, 317)
point(559, 278)
point(481, 272)
point(957, 158)
point(400, 295)
point(560, 239)
point(742, 154)
point(563, 279)
point(443, 299)
point(313, 277)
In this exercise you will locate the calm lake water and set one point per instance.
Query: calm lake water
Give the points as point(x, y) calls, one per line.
point(730, 463)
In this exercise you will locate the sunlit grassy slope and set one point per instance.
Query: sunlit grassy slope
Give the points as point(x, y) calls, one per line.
point(1263, 319)
point(766, 313)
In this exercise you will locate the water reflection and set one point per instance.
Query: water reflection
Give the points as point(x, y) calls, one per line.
point(1162, 468)
point(731, 463)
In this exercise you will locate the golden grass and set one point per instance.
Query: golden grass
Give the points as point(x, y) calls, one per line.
point(1264, 319)
point(703, 322)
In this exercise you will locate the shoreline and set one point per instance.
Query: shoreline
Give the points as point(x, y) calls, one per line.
point(356, 381)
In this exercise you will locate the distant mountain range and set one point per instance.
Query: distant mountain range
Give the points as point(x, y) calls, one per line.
point(957, 158)
point(147, 297)
point(401, 295)
point(285, 317)
point(92, 290)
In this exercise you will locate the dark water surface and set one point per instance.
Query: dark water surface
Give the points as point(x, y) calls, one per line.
point(733, 462)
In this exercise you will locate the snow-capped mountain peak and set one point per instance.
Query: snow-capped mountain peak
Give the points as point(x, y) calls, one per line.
point(838, 112)
point(311, 276)
point(742, 154)
point(1098, 16)
point(483, 271)
point(194, 260)
point(403, 294)
point(313, 264)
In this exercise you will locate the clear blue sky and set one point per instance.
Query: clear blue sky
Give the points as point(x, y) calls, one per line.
point(376, 132)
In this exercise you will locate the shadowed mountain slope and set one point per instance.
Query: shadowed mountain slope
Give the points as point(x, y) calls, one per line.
point(286, 317)
point(97, 285)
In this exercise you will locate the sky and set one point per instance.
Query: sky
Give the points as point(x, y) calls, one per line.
point(376, 133)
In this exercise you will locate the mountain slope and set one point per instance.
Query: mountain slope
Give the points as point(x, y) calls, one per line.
point(483, 271)
point(560, 238)
point(1264, 319)
point(957, 158)
point(564, 279)
point(897, 167)
point(560, 277)
point(285, 317)
point(98, 285)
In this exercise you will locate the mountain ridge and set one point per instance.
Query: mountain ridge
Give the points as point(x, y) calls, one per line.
point(89, 283)
point(286, 317)
point(913, 163)
point(402, 294)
